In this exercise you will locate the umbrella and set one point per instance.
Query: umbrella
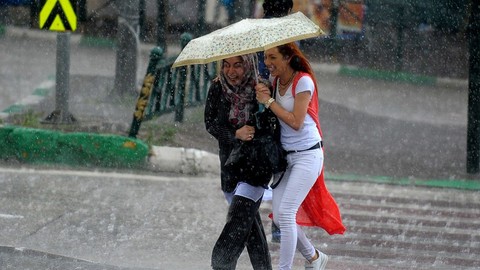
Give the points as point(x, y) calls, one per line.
point(247, 36)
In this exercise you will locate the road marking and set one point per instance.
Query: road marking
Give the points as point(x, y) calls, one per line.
point(113, 175)
point(10, 216)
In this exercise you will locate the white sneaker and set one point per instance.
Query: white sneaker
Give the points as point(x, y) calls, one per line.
point(319, 263)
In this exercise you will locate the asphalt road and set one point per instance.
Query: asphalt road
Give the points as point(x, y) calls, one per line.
point(75, 219)
point(122, 219)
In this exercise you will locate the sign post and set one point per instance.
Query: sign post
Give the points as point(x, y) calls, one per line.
point(59, 15)
point(473, 113)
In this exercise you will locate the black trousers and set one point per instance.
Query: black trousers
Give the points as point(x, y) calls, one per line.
point(243, 228)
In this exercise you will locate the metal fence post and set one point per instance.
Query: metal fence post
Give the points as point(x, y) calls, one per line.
point(162, 24)
point(180, 104)
point(156, 54)
point(182, 81)
point(165, 89)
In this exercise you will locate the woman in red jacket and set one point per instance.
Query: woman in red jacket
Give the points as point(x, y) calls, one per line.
point(301, 197)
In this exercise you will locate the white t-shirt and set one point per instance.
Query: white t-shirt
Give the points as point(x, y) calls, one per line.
point(308, 135)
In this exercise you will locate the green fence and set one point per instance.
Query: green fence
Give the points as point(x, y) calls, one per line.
point(166, 90)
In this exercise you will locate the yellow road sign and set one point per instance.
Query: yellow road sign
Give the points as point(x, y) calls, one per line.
point(58, 15)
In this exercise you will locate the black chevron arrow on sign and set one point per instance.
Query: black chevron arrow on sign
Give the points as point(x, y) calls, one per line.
point(57, 10)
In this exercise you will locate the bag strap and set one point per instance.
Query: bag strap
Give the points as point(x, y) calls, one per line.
point(274, 185)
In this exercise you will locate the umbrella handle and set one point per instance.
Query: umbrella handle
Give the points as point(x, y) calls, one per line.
point(261, 107)
point(255, 69)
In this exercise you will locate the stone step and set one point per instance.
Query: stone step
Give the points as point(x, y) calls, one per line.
point(402, 228)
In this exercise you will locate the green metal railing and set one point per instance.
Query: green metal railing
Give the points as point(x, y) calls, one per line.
point(166, 90)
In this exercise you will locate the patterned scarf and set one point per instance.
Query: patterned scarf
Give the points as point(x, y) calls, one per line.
point(241, 97)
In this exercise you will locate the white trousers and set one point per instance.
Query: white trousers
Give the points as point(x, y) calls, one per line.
point(302, 172)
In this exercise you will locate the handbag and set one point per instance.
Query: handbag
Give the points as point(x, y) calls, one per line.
point(257, 160)
point(267, 122)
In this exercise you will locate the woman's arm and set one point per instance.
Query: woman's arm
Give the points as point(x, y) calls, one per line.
point(215, 125)
point(295, 118)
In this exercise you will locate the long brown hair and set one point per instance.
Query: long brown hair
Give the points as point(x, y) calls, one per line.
point(298, 61)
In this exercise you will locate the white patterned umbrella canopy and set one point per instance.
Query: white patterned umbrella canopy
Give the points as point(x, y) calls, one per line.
point(247, 36)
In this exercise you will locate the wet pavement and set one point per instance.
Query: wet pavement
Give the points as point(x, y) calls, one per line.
point(62, 219)
point(390, 148)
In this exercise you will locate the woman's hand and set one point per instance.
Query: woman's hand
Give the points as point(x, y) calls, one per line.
point(263, 93)
point(245, 133)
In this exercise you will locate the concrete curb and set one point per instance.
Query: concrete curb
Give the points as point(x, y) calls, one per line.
point(183, 160)
point(28, 145)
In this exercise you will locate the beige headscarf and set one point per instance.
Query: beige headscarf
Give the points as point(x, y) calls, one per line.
point(242, 97)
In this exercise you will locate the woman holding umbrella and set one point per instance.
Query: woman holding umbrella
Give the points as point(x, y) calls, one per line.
point(301, 197)
point(229, 117)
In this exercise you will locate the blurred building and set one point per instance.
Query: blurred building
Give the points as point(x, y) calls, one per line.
point(423, 37)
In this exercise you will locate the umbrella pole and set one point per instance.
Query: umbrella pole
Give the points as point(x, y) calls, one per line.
point(255, 67)
point(261, 107)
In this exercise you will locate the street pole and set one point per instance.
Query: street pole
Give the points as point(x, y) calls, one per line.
point(61, 114)
point(142, 20)
point(400, 30)
point(127, 47)
point(473, 115)
point(162, 24)
point(34, 10)
point(201, 18)
point(333, 26)
point(82, 10)
point(243, 9)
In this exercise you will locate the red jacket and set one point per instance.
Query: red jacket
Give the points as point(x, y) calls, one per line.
point(319, 209)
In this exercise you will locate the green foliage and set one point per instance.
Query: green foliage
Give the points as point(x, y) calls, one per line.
point(90, 41)
point(2, 30)
point(27, 119)
point(159, 134)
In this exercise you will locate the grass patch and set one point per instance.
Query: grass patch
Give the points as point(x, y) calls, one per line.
point(2, 30)
point(155, 134)
point(388, 76)
point(90, 41)
point(29, 119)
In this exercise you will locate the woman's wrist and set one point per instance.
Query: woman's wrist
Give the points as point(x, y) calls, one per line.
point(269, 102)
